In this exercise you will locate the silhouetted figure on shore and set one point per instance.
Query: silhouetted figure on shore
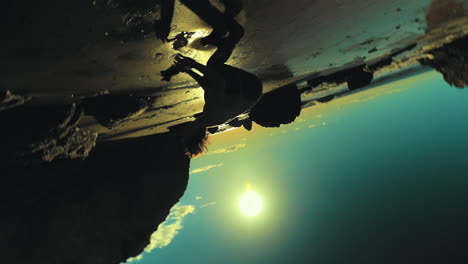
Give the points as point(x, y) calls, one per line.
point(452, 61)
point(229, 91)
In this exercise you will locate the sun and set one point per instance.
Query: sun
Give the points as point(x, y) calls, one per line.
point(250, 203)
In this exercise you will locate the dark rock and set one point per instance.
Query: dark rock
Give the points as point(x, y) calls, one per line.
point(66, 140)
point(9, 100)
point(380, 64)
point(212, 130)
point(451, 61)
point(44, 132)
point(112, 110)
point(387, 60)
point(367, 42)
point(326, 99)
point(356, 77)
point(101, 210)
point(359, 79)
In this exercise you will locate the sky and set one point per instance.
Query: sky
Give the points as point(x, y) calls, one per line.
point(374, 177)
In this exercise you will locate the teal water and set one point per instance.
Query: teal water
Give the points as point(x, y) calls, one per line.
point(384, 181)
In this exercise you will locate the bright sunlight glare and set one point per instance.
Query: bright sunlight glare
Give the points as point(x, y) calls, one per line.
point(250, 203)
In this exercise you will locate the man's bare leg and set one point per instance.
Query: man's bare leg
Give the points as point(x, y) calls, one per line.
point(232, 9)
point(197, 77)
point(216, 19)
point(221, 23)
point(226, 45)
point(162, 27)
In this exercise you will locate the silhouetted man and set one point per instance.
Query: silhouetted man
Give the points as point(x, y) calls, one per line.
point(229, 91)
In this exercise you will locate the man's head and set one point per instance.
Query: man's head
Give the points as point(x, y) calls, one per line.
point(193, 136)
point(195, 142)
point(278, 107)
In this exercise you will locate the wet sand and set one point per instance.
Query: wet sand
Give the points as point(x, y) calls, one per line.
point(69, 55)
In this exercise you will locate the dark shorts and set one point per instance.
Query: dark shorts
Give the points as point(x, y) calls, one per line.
point(242, 83)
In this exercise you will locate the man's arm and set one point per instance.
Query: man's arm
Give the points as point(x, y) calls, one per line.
point(212, 79)
point(200, 80)
point(190, 63)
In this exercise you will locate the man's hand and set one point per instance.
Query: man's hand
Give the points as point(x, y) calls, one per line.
point(185, 61)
